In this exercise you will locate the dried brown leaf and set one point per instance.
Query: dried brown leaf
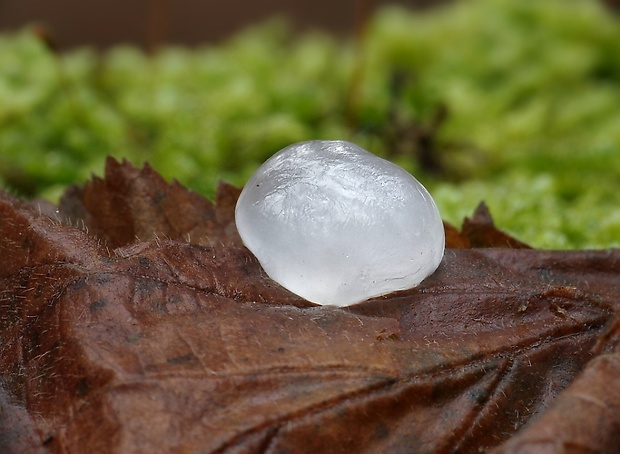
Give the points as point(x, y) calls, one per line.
point(157, 331)
point(480, 231)
point(131, 205)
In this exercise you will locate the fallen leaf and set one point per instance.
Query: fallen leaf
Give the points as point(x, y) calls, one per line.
point(480, 231)
point(141, 324)
point(131, 205)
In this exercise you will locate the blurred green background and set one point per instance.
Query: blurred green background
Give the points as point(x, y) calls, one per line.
point(515, 102)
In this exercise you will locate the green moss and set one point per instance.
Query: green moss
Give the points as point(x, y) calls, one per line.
point(531, 90)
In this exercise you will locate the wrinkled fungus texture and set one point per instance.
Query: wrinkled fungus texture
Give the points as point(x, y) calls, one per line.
point(337, 225)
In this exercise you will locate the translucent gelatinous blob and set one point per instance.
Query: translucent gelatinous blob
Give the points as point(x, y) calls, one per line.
point(337, 225)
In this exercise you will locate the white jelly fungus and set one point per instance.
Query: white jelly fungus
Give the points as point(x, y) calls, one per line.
point(337, 225)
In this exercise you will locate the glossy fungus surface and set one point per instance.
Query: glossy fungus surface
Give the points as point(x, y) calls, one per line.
point(337, 225)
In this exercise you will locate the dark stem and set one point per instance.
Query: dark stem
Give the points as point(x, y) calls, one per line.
point(157, 24)
point(363, 12)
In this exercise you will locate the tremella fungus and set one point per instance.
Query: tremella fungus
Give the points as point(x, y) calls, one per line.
point(336, 224)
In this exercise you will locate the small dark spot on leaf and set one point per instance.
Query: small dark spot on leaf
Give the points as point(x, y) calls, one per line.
point(39, 291)
point(48, 439)
point(383, 335)
point(159, 306)
point(144, 262)
point(103, 278)
point(32, 342)
point(159, 197)
point(98, 305)
point(479, 396)
point(182, 359)
point(146, 286)
point(382, 432)
point(26, 244)
point(82, 387)
point(81, 283)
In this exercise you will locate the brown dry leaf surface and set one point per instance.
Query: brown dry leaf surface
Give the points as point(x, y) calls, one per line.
point(141, 324)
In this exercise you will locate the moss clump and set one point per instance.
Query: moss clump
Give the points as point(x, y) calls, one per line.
point(511, 101)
